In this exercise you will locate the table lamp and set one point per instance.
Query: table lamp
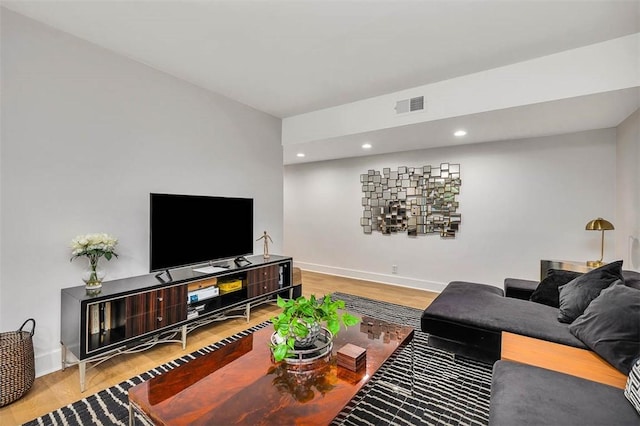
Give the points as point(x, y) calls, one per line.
point(598, 224)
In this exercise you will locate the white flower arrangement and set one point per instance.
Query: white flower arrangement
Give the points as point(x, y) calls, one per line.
point(94, 246)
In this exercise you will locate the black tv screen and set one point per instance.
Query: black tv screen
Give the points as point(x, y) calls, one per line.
point(191, 229)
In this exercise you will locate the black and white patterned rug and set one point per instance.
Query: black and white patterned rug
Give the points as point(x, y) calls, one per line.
point(443, 390)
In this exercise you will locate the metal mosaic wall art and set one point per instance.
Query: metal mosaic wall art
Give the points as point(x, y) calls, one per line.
point(416, 200)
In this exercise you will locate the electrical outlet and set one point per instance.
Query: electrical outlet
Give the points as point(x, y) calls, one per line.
point(394, 269)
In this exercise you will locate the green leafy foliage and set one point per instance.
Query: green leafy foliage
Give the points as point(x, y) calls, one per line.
point(301, 313)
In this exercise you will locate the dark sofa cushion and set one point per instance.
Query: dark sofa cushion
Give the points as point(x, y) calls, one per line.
point(631, 279)
point(547, 291)
point(526, 395)
point(519, 288)
point(610, 326)
point(577, 294)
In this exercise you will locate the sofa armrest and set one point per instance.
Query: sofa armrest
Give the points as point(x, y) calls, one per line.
point(519, 289)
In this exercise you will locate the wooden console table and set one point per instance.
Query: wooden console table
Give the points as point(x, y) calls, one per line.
point(562, 358)
point(133, 314)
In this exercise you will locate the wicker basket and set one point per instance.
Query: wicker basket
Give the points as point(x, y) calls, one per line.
point(17, 365)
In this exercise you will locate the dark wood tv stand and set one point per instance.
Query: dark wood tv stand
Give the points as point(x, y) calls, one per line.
point(134, 314)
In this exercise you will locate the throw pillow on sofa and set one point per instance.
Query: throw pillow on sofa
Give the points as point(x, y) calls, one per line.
point(610, 326)
point(577, 294)
point(547, 291)
point(631, 279)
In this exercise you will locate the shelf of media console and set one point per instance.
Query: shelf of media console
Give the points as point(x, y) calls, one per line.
point(197, 309)
point(238, 310)
point(230, 305)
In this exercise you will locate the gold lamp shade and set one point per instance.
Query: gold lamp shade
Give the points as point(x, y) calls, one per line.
point(598, 224)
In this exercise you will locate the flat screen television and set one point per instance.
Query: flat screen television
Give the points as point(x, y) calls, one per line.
point(192, 229)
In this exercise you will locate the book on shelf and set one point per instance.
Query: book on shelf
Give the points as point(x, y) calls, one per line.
point(194, 310)
point(107, 315)
point(94, 319)
point(101, 314)
point(202, 294)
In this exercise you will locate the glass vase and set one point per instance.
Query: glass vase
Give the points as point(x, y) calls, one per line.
point(93, 277)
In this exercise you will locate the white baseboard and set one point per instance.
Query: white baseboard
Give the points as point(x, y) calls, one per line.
point(49, 362)
point(396, 280)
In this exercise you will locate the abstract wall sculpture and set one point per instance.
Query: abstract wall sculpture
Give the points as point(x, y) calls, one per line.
point(418, 200)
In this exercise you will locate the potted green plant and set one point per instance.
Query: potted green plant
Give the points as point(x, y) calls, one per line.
point(301, 318)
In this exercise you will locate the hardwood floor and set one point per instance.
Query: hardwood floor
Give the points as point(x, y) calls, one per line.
point(62, 387)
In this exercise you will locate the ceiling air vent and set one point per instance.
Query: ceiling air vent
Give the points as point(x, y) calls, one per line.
point(410, 105)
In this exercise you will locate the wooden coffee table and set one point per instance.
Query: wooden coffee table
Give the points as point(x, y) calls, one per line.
point(239, 383)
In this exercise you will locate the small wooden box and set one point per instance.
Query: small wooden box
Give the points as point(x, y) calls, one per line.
point(199, 285)
point(352, 357)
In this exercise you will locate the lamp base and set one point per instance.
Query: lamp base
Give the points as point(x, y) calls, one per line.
point(594, 263)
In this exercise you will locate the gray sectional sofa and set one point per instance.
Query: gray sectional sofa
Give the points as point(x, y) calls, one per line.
point(468, 319)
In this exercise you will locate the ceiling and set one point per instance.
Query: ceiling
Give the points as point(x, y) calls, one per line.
point(600, 111)
point(291, 57)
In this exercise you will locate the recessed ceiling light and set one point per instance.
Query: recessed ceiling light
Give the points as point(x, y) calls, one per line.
point(366, 146)
point(300, 154)
point(460, 133)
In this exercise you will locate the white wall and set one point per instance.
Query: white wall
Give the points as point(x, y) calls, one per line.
point(628, 192)
point(86, 136)
point(521, 201)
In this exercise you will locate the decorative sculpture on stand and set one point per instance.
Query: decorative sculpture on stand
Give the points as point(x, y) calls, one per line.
point(418, 200)
point(266, 239)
